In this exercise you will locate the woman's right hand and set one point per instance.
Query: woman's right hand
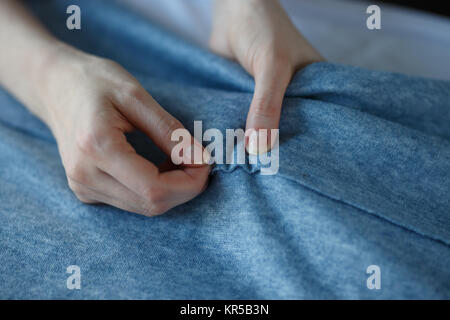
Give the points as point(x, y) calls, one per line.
point(90, 103)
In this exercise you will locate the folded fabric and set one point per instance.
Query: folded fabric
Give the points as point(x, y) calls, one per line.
point(364, 179)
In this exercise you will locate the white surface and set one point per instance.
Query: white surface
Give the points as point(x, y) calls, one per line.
point(410, 41)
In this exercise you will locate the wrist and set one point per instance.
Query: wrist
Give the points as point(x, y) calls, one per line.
point(51, 77)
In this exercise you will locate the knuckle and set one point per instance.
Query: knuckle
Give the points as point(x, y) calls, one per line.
point(92, 142)
point(87, 142)
point(134, 92)
point(264, 107)
point(167, 126)
point(154, 195)
point(153, 202)
point(75, 187)
point(77, 174)
point(151, 209)
point(79, 191)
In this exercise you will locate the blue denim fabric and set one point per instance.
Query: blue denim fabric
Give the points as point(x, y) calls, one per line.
point(364, 179)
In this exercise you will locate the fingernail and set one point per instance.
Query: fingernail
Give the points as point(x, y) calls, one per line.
point(255, 146)
point(202, 156)
point(207, 159)
point(187, 156)
point(252, 146)
point(203, 153)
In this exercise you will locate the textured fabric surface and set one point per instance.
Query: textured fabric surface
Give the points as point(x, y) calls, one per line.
point(364, 179)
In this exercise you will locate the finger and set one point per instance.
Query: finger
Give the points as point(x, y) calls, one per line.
point(92, 186)
point(138, 106)
point(184, 184)
point(92, 195)
point(105, 189)
point(169, 175)
point(122, 197)
point(265, 109)
point(162, 190)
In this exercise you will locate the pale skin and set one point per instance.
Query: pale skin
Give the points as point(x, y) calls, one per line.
point(89, 103)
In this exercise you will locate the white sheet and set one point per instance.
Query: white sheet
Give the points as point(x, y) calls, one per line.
point(410, 41)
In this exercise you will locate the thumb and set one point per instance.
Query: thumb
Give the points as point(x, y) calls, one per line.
point(265, 109)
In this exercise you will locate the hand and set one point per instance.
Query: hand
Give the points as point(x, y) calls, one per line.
point(261, 37)
point(90, 104)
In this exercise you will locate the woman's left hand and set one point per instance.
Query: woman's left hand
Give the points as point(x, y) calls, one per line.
point(261, 37)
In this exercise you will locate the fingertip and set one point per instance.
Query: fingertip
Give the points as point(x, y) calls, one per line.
point(260, 141)
point(195, 155)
